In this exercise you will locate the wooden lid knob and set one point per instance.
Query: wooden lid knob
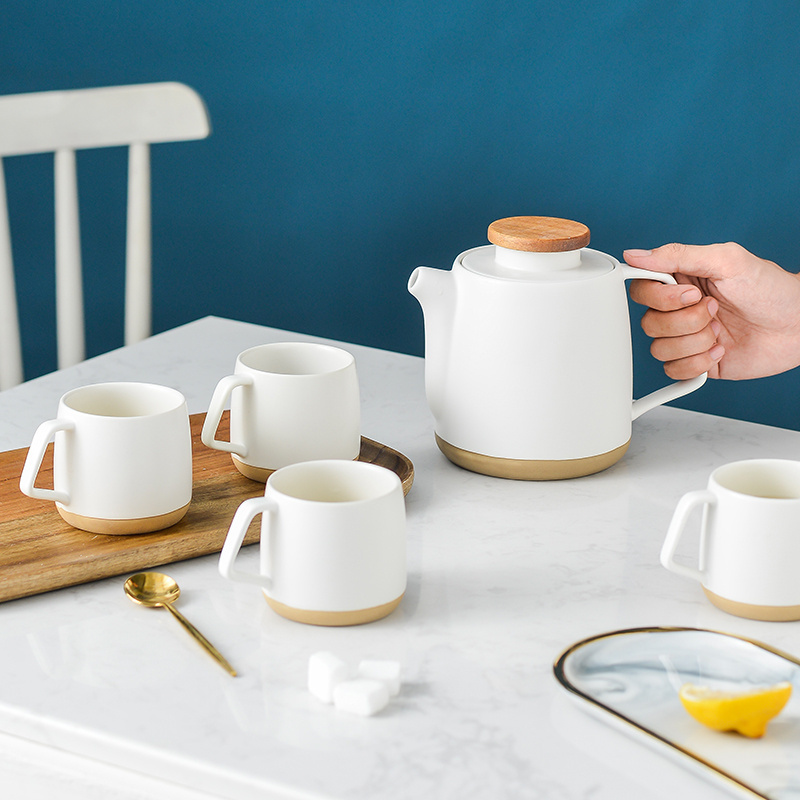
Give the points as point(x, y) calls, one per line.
point(539, 234)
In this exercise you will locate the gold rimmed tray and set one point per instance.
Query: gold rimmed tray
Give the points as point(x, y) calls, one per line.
point(631, 679)
point(39, 552)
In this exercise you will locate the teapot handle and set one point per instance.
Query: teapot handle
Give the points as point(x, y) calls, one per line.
point(671, 391)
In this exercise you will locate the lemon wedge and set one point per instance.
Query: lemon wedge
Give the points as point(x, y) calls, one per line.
point(747, 712)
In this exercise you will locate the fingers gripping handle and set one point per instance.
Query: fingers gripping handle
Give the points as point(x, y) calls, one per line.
point(33, 462)
point(241, 521)
point(219, 400)
point(673, 390)
point(685, 506)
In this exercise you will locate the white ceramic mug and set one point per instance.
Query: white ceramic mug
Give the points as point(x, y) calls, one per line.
point(333, 542)
point(749, 562)
point(122, 458)
point(290, 402)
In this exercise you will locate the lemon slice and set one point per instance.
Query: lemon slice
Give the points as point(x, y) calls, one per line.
point(747, 712)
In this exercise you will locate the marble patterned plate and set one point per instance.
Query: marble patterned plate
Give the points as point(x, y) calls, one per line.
point(631, 678)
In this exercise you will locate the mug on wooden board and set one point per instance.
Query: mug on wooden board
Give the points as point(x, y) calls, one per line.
point(749, 557)
point(289, 402)
point(333, 542)
point(122, 458)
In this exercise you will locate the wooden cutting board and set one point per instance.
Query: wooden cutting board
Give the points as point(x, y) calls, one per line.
point(40, 552)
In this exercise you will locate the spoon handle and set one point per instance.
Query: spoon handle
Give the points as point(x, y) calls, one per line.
point(200, 638)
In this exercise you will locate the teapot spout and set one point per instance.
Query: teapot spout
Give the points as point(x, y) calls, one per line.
point(427, 284)
point(435, 292)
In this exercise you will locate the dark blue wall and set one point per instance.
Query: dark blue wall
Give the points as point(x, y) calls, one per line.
point(354, 140)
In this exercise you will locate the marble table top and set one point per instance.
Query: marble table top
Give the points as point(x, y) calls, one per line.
point(101, 698)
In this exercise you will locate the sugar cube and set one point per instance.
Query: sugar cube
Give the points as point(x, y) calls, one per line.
point(361, 696)
point(382, 670)
point(325, 672)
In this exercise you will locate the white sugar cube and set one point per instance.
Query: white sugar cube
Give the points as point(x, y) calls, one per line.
point(361, 696)
point(381, 670)
point(325, 673)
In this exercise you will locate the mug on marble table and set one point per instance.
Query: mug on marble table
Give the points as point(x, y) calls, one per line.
point(749, 559)
point(122, 458)
point(333, 542)
point(289, 402)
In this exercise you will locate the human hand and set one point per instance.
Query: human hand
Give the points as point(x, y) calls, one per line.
point(732, 314)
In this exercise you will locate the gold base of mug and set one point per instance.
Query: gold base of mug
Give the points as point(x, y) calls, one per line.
point(123, 527)
point(751, 611)
point(534, 470)
point(334, 618)
point(259, 474)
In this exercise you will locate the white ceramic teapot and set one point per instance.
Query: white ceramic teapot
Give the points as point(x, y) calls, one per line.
point(528, 361)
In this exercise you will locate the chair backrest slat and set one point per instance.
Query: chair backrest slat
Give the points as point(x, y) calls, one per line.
point(10, 350)
point(138, 282)
point(41, 122)
point(69, 281)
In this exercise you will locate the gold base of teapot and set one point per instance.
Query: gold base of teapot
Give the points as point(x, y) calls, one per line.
point(527, 470)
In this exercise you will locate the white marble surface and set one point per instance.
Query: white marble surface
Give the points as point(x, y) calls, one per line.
point(101, 698)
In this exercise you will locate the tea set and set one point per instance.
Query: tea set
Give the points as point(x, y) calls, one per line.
point(528, 376)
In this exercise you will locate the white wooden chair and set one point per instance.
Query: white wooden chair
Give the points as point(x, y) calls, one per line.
point(65, 121)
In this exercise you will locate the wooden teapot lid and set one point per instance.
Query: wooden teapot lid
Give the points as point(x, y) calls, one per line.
point(539, 234)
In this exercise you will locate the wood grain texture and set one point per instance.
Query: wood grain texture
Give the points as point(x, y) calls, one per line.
point(40, 552)
point(539, 234)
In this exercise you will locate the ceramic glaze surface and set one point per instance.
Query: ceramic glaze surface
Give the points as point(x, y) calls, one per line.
point(122, 451)
point(333, 537)
point(749, 544)
point(559, 386)
point(290, 402)
point(513, 265)
point(527, 362)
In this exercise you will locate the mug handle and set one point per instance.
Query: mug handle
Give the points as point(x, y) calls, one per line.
point(33, 462)
point(241, 521)
point(671, 391)
point(685, 506)
point(219, 400)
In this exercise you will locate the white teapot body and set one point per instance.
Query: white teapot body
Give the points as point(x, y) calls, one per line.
point(528, 361)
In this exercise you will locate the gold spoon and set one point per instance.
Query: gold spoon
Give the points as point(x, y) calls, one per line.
point(156, 590)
